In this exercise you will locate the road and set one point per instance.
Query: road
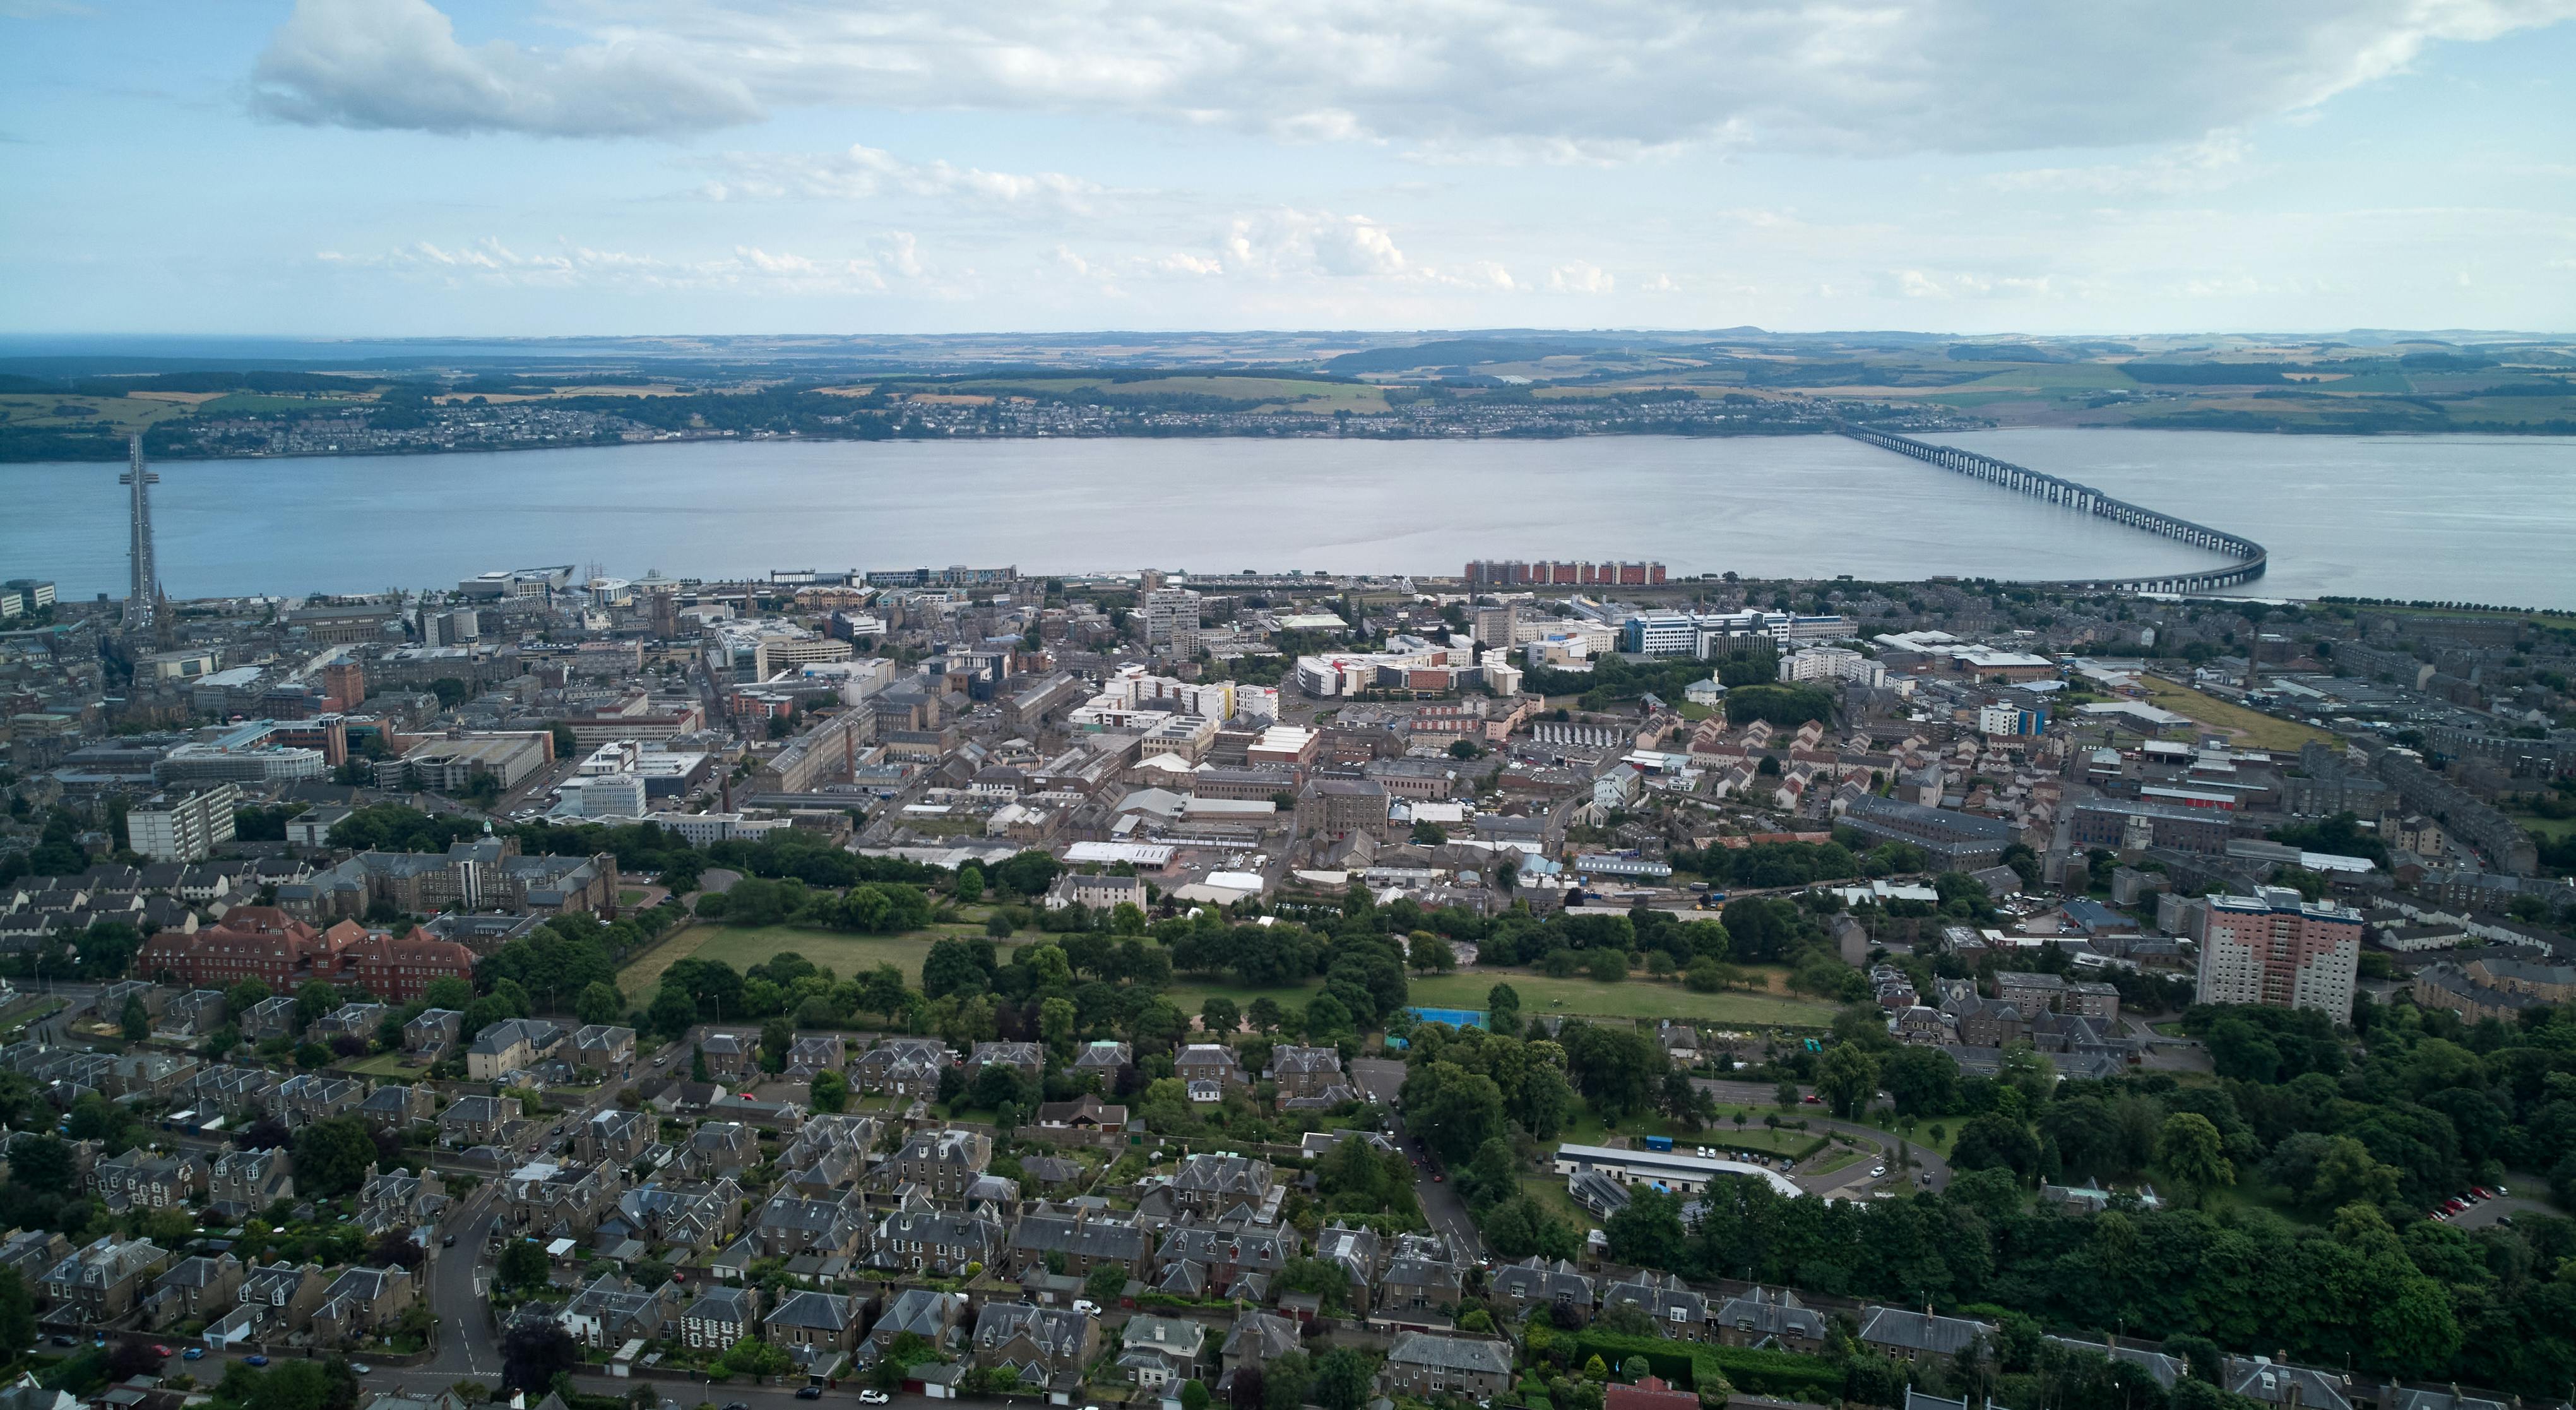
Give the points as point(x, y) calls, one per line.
point(1853, 1180)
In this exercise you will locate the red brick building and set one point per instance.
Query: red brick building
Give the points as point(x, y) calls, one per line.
point(250, 942)
point(400, 971)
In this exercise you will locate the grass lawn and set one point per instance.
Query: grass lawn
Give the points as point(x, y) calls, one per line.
point(384, 1065)
point(2250, 727)
point(1833, 1163)
point(1549, 1191)
point(1629, 998)
point(1192, 997)
point(2552, 828)
point(1585, 1128)
point(841, 952)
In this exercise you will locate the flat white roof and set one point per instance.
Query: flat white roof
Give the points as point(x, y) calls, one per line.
point(1646, 1162)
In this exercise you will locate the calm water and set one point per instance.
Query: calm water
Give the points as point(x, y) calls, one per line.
point(2481, 519)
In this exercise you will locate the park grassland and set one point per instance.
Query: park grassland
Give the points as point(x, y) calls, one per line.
point(2252, 729)
point(846, 955)
point(839, 951)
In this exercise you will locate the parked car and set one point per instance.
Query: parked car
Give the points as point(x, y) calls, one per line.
point(361, 1368)
point(875, 1397)
point(254, 1360)
point(816, 1393)
point(161, 1351)
point(1812, 1099)
point(1876, 1171)
point(194, 1353)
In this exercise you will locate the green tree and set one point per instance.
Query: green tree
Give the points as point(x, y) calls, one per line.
point(1056, 1023)
point(332, 1156)
point(1105, 1284)
point(830, 1092)
point(136, 1022)
point(522, 1265)
point(1220, 1016)
point(2193, 1154)
point(970, 884)
point(17, 1314)
point(314, 999)
point(1343, 1379)
point(1845, 1079)
point(756, 1358)
point(450, 991)
point(242, 997)
point(599, 1003)
point(1194, 1396)
point(1645, 1229)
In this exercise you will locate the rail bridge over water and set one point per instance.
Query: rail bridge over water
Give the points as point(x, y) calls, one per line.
point(2250, 556)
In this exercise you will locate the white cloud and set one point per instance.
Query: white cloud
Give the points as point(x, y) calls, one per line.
point(1534, 79)
point(396, 64)
point(864, 173)
point(746, 269)
point(1580, 277)
point(2206, 165)
point(1290, 242)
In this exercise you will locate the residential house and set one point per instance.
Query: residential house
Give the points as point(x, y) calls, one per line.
point(719, 1318)
point(1257, 1339)
point(604, 1048)
point(400, 1200)
point(1903, 1334)
point(511, 1045)
point(1214, 1185)
point(1086, 1238)
point(1222, 1259)
point(31, 1253)
point(1422, 1271)
point(194, 1289)
point(2166, 1370)
point(398, 1107)
point(433, 1033)
point(1309, 1074)
point(787, 1226)
point(902, 1067)
point(361, 1301)
point(1358, 1253)
point(815, 1329)
point(2288, 1387)
point(1028, 1059)
point(1084, 1113)
point(1043, 1345)
point(721, 1148)
point(617, 1136)
point(684, 1216)
point(1679, 1311)
point(919, 1239)
point(613, 1310)
point(1428, 1365)
point(140, 1179)
point(1538, 1282)
point(813, 1053)
point(1104, 1059)
point(1160, 1352)
point(271, 1018)
point(193, 1015)
point(275, 1301)
point(477, 1121)
point(942, 1161)
point(242, 1183)
point(308, 1097)
point(733, 1058)
point(1771, 1318)
point(352, 1020)
point(561, 1201)
point(1208, 1062)
point(935, 1317)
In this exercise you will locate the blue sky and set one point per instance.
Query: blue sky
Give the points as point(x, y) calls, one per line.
point(690, 166)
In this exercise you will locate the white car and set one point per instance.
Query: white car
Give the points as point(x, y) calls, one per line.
point(1086, 1307)
point(875, 1397)
point(1877, 1170)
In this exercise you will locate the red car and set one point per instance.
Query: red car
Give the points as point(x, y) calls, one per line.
point(2482, 1192)
point(1812, 1099)
point(161, 1351)
point(2454, 1206)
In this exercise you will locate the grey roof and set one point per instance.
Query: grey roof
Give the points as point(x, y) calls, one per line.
point(1447, 1353)
point(1535, 1279)
point(1767, 1312)
point(2169, 1369)
point(2273, 1382)
point(825, 1312)
point(1921, 1331)
point(1261, 1336)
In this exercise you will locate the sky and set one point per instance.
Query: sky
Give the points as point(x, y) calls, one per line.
point(448, 168)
